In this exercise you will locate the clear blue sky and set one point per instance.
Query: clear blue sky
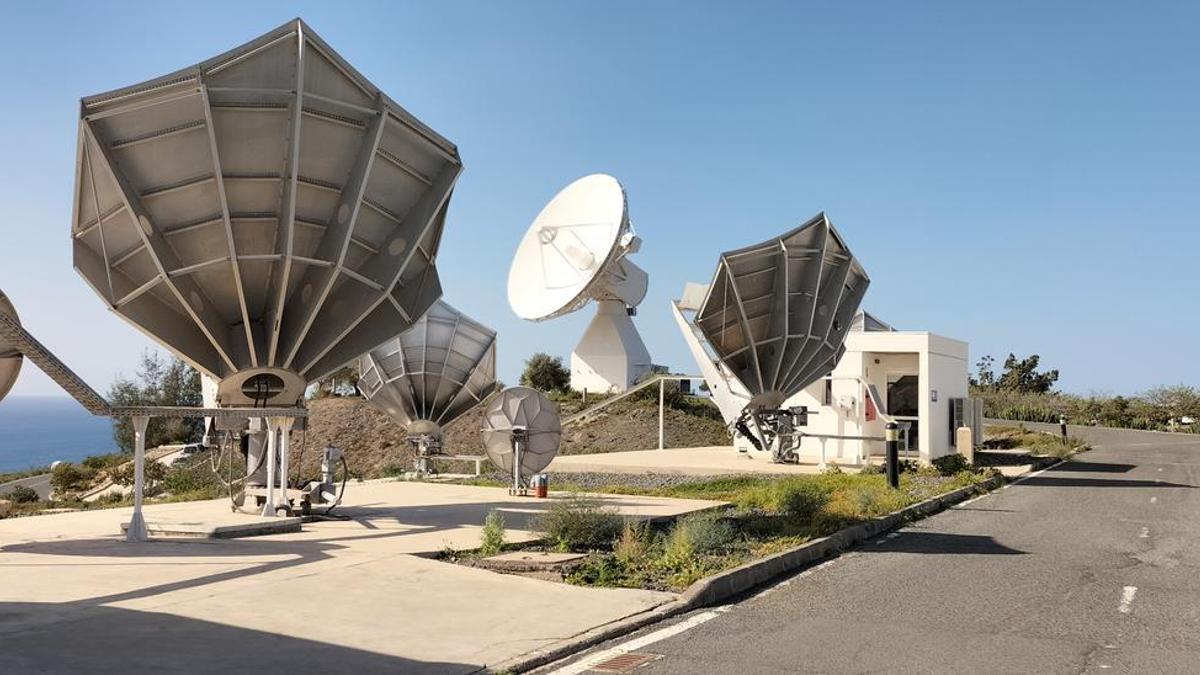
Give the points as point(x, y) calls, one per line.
point(1020, 176)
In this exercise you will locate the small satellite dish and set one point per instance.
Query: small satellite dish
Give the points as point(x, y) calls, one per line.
point(521, 433)
point(776, 316)
point(429, 375)
point(10, 358)
point(575, 252)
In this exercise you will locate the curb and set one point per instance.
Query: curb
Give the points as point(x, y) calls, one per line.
point(724, 585)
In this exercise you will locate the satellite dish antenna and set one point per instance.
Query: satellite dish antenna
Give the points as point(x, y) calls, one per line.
point(430, 375)
point(268, 215)
point(10, 358)
point(776, 316)
point(521, 433)
point(577, 251)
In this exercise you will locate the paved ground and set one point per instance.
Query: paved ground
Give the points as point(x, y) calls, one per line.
point(348, 596)
point(39, 483)
point(707, 461)
point(1091, 567)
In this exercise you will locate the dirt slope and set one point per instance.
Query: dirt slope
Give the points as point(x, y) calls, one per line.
point(375, 445)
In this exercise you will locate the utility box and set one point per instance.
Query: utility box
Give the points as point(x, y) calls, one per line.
point(966, 443)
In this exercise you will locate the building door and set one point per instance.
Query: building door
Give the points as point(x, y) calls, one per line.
point(903, 399)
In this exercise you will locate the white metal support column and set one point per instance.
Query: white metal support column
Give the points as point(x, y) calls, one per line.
point(661, 398)
point(285, 437)
point(137, 523)
point(272, 448)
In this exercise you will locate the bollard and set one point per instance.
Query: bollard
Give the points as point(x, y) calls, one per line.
point(1062, 426)
point(892, 447)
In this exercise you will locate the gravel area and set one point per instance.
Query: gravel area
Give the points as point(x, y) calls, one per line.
point(647, 481)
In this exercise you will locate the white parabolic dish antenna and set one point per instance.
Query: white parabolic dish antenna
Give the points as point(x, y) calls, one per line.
point(524, 415)
point(574, 252)
point(10, 358)
point(268, 215)
point(432, 373)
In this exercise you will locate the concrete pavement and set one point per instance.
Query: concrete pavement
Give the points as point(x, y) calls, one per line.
point(40, 484)
point(1088, 567)
point(355, 595)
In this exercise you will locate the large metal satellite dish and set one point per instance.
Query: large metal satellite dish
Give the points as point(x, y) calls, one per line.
point(776, 316)
point(10, 358)
point(521, 433)
point(429, 375)
point(268, 214)
point(574, 252)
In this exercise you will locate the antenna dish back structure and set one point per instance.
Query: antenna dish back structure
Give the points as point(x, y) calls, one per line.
point(429, 375)
point(10, 358)
point(268, 214)
point(521, 433)
point(776, 316)
point(577, 251)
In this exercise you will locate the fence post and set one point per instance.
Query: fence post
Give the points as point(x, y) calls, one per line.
point(661, 396)
point(892, 446)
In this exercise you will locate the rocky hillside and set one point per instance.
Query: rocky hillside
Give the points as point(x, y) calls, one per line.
point(376, 446)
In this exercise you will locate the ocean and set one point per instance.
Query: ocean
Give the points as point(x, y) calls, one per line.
point(37, 430)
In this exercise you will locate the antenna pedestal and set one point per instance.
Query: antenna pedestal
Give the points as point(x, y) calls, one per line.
point(611, 357)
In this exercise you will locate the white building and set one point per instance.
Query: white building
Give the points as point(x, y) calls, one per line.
point(911, 377)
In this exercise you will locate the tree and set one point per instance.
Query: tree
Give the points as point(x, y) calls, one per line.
point(985, 375)
point(343, 382)
point(159, 382)
point(546, 373)
point(153, 473)
point(1174, 402)
point(1022, 375)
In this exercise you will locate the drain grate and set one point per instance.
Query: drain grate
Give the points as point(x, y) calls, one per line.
point(624, 663)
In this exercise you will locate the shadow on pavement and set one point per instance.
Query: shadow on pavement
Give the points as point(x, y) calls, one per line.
point(113, 640)
point(940, 544)
point(1053, 480)
point(1099, 467)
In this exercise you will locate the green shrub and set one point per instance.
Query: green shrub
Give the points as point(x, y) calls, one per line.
point(948, 465)
point(68, 477)
point(546, 373)
point(601, 570)
point(699, 534)
point(153, 473)
point(858, 502)
point(634, 543)
point(101, 462)
point(802, 500)
point(21, 494)
point(796, 497)
point(579, 523)
point(1053, 446)
point(198, 481)
point(491, 540)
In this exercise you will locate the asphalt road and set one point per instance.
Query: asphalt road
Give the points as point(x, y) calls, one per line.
point(1090, 567)
point(40, 484)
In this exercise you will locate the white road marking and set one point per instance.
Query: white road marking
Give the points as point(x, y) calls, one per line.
point(592, 661)
point(1154, 500)
point(893, 535)
point(1127, 594)
point(1145, 533)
